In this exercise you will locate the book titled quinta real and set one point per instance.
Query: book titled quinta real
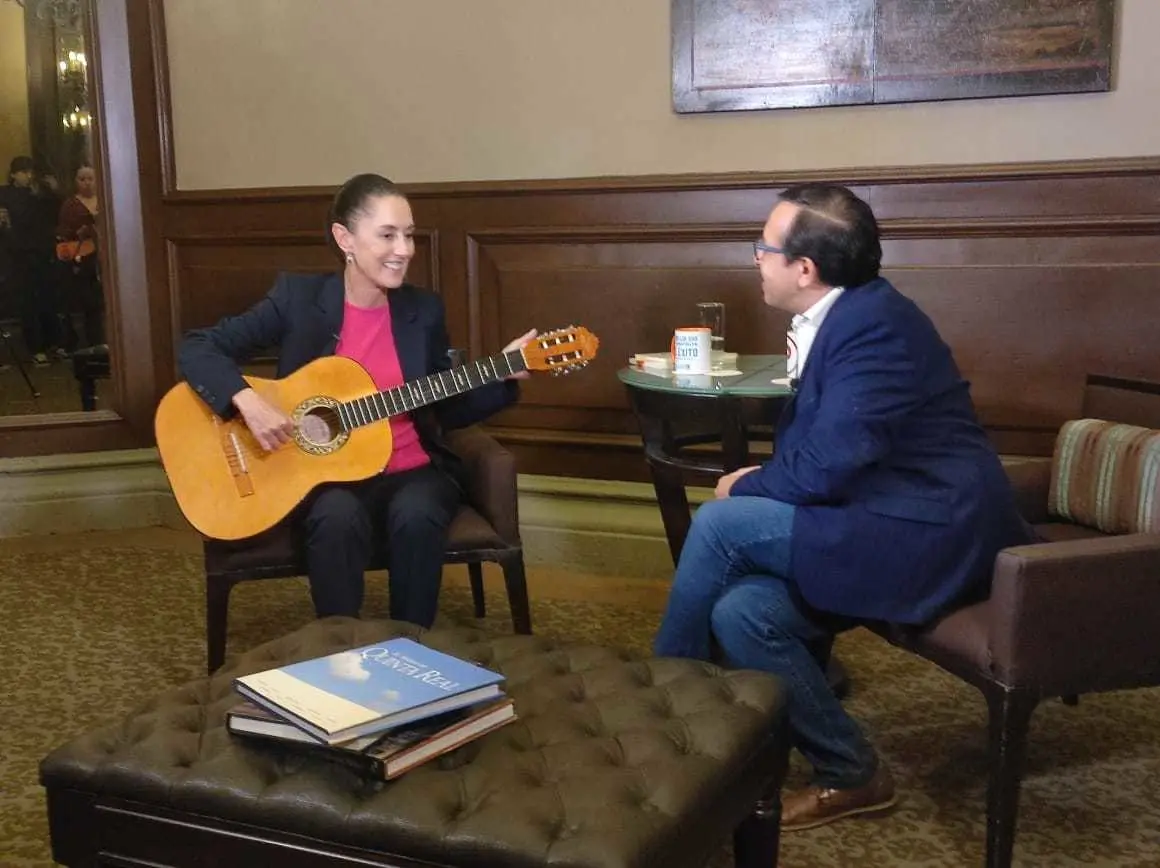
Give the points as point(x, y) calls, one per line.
point(384, 756)
point(354, 693)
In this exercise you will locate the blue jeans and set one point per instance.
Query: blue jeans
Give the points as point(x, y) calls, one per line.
point(733, 587)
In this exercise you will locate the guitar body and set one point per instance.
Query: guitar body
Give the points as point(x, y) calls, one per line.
point(229, 487)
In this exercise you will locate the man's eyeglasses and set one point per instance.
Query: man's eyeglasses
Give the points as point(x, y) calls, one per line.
point(760, 246)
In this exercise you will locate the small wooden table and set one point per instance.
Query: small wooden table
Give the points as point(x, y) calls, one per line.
point(678, 413)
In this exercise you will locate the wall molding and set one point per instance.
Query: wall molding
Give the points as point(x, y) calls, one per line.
point(51, 494)
point(966, 172)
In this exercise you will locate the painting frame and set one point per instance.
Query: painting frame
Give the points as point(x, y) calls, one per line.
point(745, 55)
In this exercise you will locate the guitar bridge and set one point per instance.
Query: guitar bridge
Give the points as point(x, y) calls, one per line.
point(236, 459)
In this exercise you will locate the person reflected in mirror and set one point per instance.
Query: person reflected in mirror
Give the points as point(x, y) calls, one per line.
point(76, 233)
point(368, 312)
point(884, 500)
point(29, 237)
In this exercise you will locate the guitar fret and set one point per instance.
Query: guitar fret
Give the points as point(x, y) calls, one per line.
point(426, 390)
point(434, 387)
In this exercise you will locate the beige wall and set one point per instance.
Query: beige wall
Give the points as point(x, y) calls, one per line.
point(13, 87)
point(306, 92)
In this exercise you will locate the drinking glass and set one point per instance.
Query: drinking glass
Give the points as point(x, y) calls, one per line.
point(711, 315)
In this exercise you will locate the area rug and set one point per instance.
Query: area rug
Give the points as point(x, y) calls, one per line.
point(91, 631)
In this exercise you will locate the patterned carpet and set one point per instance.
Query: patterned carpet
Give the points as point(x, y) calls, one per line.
point(96, 623)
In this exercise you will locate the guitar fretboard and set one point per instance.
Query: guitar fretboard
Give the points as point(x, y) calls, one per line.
point(427, 390)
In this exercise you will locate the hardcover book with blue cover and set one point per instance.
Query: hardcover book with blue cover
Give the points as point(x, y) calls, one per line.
point(377, 687)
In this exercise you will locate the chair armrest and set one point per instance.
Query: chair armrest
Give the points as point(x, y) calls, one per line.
point(489, 479)
point(1078, 615)
point(1031, 480)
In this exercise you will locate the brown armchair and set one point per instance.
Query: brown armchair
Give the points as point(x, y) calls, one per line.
point(1019, 646)
point(486, 528)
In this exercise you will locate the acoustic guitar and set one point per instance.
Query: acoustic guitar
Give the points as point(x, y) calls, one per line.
point(230, 488)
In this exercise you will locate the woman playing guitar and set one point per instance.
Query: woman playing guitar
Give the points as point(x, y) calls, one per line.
point(396, 331)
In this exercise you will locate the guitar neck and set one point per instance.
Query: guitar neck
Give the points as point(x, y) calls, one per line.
point(427, 390)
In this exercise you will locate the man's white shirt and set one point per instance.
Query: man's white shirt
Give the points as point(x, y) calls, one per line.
point(803, 328)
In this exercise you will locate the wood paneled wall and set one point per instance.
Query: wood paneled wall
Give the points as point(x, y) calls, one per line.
point(1035, 275)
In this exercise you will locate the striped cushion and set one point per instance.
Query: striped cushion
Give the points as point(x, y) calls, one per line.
point(1107, 475)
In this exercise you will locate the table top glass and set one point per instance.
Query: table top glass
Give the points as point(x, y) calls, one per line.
point(754, 381)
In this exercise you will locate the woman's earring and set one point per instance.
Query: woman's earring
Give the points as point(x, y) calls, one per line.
point(349, 257)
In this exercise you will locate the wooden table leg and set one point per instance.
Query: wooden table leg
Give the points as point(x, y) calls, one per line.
point(673, 501)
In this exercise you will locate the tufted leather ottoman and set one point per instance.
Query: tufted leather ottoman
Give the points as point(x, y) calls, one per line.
point(614, 761)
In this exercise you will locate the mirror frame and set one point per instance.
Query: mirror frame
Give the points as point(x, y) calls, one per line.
point(126, 42)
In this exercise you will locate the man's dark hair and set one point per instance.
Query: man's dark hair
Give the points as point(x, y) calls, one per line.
point(835, 229)
point(21, 163)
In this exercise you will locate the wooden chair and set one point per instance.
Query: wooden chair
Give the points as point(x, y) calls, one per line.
point(486, 528)
point(1078, 613)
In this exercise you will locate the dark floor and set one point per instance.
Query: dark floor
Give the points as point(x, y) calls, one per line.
point(59, 390)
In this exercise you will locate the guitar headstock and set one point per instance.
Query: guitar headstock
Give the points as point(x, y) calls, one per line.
point(561, 351)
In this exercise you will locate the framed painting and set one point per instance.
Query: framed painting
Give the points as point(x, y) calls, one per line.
point(733, 55)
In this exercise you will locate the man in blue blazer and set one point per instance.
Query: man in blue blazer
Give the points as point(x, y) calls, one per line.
point(883, 501)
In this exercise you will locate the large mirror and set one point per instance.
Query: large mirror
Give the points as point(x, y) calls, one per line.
point(53, 352)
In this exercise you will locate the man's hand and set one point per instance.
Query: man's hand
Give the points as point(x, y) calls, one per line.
point(518, 343)
point(725, 483)
point(269, 425)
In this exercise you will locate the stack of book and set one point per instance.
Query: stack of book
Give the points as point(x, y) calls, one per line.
point(385, 708)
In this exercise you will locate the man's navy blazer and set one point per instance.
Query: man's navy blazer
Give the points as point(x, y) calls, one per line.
point(901, 501)
point(301, 318)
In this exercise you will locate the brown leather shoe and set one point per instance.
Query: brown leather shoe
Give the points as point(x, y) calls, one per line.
point(816, 806)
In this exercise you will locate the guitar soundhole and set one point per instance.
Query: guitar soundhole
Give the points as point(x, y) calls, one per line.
point(320, 426)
